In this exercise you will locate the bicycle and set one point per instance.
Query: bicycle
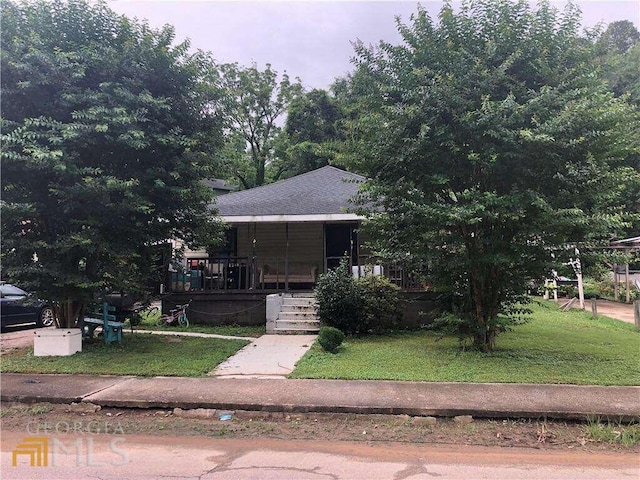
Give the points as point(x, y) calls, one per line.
point(176, 316)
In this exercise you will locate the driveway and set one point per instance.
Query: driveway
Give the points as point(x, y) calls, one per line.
point(16, 337)
point(619, 311)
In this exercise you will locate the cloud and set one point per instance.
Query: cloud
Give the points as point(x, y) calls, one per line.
point(310, 40)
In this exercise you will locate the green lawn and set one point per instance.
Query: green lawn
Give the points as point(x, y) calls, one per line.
point(554, 347)
point(139, 354)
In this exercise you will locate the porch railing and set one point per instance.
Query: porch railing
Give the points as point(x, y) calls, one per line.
point(213, 273)
point(270, 273)
point(403, 276)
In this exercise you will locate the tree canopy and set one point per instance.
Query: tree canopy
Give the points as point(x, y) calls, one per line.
point(489, 142)
point(312, 134)
point(252, 102)
point(107, 131)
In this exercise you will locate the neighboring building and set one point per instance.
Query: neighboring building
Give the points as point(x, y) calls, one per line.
point(626, 274)
point(219, 186)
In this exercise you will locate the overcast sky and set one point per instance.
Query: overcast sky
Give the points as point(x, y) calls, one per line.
point(310, 40)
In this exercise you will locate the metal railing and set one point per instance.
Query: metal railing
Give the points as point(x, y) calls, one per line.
point(213, 273)
point(270, 273)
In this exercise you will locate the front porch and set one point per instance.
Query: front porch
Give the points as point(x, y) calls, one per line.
point(283, 257)
point(273, 275)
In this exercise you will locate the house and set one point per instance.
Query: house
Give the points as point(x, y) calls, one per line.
point(282, 235)
point(280, 238)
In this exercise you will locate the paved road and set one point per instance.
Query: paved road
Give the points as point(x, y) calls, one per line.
point(138, 457)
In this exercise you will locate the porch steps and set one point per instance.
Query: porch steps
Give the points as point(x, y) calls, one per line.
point(297, 315)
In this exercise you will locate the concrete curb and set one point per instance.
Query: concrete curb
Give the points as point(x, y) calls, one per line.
point(332, 396)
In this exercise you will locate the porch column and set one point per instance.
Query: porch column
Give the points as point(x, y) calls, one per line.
point(626, 280)
point(325, 269)
point(254, 263)
point(286, 258)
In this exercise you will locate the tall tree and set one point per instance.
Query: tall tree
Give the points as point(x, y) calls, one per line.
point(489, 141)
point(251, 102)
point(618, 38)
point(106, 132)
point(619, 57)
point(311, 135)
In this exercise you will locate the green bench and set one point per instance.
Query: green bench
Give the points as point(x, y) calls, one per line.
point(111, 329)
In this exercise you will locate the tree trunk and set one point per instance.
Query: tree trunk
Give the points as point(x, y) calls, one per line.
point(484, 293)
point(70, 313)
point(260, 168)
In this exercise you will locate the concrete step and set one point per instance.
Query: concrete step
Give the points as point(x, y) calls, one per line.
point(301, 295)
point(303, 316)
point(298, 301)
point(306, 331)
point(297, 327)
point(298, 308)
point(297, 324)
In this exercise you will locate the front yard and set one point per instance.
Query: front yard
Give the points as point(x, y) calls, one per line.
point(139, 354)
point(554, 347)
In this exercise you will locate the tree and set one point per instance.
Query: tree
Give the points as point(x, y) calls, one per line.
point(489, 142)
point(251, 102)
point(106, 132)
point(618, 38)
point(311, 137)
point(619, 52)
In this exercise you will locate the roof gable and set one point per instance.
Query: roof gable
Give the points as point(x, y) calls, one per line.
point(325, 191)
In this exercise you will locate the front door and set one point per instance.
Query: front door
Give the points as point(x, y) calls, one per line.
point(340, 240)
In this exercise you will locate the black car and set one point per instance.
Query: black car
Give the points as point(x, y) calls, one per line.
point(18, 307)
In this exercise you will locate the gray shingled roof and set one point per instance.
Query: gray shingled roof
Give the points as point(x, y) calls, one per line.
point(326, 190)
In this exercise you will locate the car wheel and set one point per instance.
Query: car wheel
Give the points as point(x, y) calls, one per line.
point(47, 318)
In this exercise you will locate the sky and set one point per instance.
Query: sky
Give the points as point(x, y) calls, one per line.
point(311, 40)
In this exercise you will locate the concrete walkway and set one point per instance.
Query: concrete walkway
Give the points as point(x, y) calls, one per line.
point(195, 334)
point(270, 356)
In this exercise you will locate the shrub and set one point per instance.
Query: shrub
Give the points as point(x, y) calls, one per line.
point(338, 298)
point(330, 339)
point(369, 304)
point(381, 304)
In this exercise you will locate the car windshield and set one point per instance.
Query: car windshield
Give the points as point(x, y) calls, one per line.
point(11, 291)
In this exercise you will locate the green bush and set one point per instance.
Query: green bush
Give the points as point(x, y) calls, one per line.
point(330, 339)
point(339, 301)
point(368, 304)
point(381, 304)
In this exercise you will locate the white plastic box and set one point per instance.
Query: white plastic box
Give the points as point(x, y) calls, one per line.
point(57, 342)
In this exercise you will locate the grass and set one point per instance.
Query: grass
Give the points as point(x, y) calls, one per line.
point(139, 354)
point(149, 323)
point(553, 347)
point(25, 410)
point(627, 435)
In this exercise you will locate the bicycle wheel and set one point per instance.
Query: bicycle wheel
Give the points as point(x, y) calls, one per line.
point(183, 320)
point(161, 322)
